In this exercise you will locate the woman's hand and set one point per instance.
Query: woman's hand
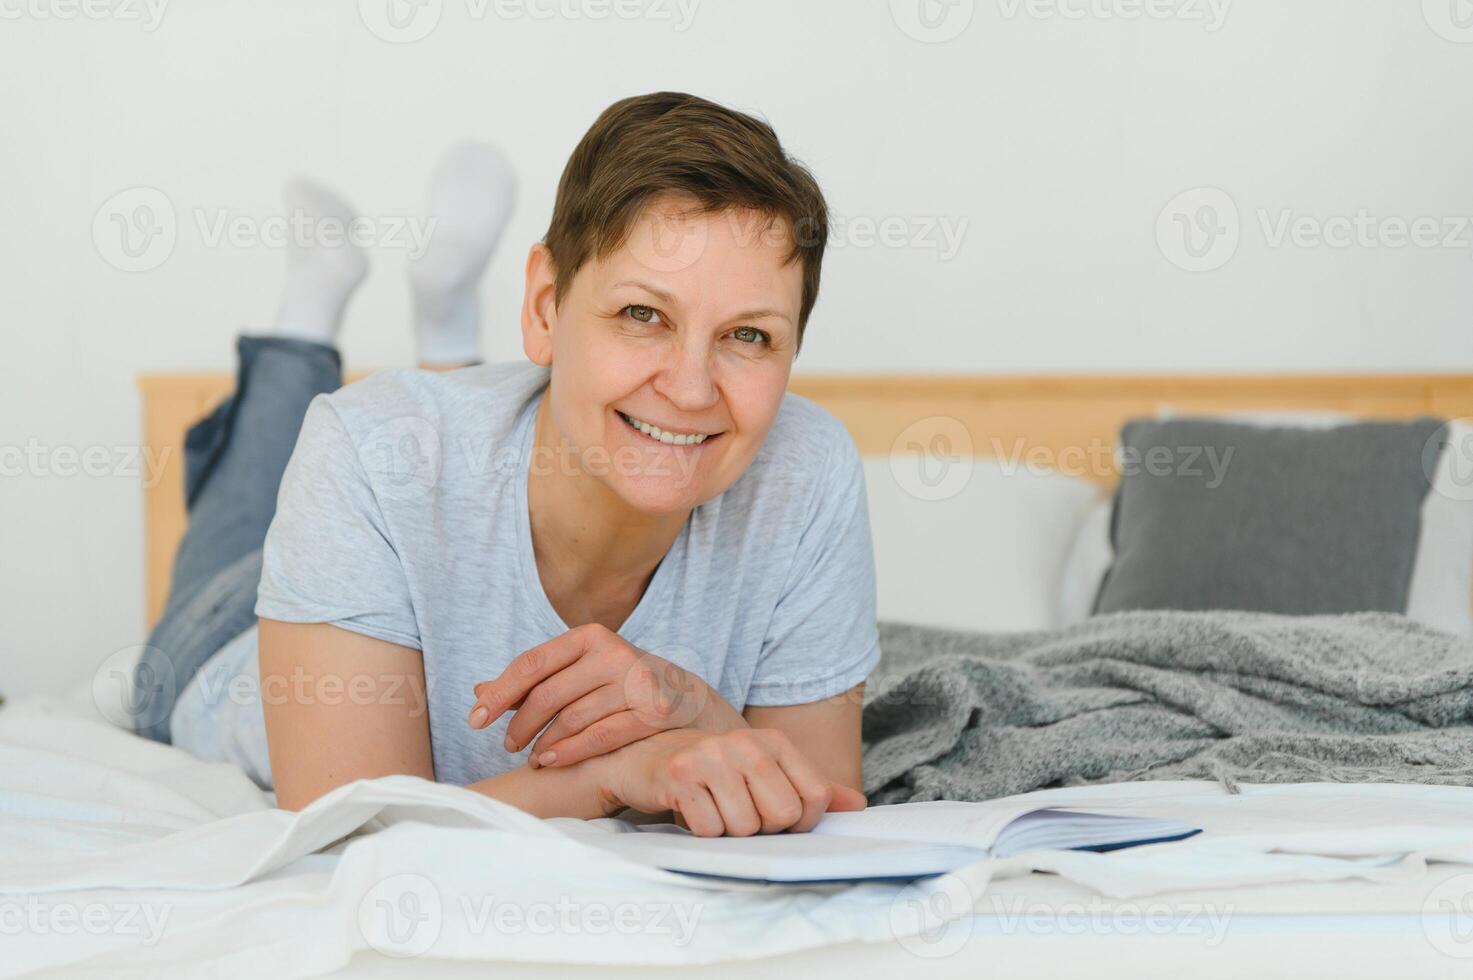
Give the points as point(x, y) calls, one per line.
point(600, 693)
point(738, 783)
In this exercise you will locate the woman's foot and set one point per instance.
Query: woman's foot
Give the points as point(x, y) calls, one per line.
point(471, 197)
point(320, 277)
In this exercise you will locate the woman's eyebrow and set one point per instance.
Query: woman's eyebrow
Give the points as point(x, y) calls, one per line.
point(665, 297)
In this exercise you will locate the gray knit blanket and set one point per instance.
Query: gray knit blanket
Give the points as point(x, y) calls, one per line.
point(1231, 696)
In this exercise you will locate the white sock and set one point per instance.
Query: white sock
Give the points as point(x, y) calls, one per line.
point(471, 197)
point(320, 277)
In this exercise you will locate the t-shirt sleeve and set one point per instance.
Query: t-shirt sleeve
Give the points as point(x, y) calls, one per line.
point(823, 639)
point(329, 556)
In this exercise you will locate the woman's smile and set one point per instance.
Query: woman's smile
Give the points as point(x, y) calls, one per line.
point(667, 436)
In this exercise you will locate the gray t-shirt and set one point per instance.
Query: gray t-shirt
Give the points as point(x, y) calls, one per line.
point(403, 516)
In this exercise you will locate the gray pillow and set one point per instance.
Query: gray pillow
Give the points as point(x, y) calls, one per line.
point(1216, 515)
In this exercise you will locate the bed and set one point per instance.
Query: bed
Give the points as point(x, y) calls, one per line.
point(1319, 879)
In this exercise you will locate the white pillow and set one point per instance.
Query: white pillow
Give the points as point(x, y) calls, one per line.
point(1441, 590)
point(987, 556)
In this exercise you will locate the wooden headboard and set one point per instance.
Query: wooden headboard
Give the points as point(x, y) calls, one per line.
point(1068, 422)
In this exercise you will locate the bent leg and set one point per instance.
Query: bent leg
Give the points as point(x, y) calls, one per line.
point(234, 461)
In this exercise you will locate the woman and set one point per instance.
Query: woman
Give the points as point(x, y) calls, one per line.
point(636, 545)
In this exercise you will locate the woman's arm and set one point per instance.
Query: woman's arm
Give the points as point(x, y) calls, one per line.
point(342, 706)
point(827, 732)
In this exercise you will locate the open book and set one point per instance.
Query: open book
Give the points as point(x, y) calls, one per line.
point(906, 840)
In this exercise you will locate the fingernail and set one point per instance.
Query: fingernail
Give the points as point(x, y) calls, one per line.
point(479, 716)
point(509, 745)
point(547, 758)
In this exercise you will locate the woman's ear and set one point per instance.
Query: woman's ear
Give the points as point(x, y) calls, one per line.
point(539, 305)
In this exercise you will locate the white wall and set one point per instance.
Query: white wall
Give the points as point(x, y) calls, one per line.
point(1053, 132)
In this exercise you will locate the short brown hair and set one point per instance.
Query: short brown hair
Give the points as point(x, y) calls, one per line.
point(669, 141)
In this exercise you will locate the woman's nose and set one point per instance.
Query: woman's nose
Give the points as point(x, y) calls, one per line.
point(686, 382)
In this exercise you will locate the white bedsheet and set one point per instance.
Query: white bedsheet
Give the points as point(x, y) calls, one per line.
point(121, 853)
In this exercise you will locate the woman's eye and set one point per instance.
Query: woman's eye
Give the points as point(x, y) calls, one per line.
point(644, 314)
point(749, 335)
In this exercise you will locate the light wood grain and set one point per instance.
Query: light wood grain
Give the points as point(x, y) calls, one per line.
point(1068, 423)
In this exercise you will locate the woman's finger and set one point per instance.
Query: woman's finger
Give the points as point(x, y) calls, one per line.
point(813, 789)
point(595, 705)
point(846, 799)
point(600, 738)
point(696, 807)
point(738, 813)
point(777, 802)
point(550, 697)
point(530, 668)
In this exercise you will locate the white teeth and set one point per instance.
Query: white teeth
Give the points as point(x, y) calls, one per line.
point(668, 438)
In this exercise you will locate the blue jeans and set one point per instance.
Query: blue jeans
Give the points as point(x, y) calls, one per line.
point(233, 462)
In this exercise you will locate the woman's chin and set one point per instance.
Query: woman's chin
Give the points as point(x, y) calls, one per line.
point(659, 496)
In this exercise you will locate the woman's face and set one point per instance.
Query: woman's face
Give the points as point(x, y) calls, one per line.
point(669, 357)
